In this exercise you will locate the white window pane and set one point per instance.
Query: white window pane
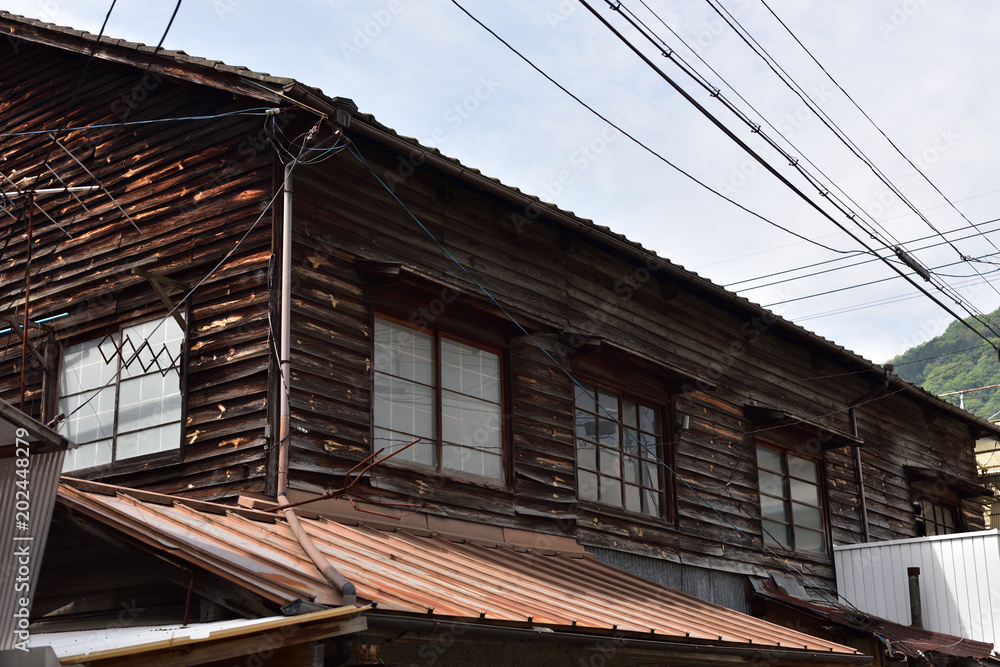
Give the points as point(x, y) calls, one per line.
point(633, 499)
point(803, 469)
point(586, 397)
point(586, 454)
point(776, 533)
point(773, 508)
point(611, 491)
point(610, 462)
point(586, 485)
point(404, 352)
point(86, 456)
point(769, 459)
point(805, 492)
point(653, 503)
point(809, 540)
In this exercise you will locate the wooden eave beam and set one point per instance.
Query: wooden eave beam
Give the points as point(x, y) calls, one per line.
point(157, 282)
point(780, 418)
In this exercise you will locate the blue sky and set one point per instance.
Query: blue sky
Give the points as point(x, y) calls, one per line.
point(923, 70)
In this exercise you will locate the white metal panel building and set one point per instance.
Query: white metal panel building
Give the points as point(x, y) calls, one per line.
point(958, 595)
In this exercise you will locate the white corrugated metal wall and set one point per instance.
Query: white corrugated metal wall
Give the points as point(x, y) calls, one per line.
point(958, 595)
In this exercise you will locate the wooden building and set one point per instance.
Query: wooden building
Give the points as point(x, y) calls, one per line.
point(560, 379)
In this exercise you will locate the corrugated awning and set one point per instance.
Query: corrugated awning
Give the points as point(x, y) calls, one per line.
point(422, 573)
point(914, 643)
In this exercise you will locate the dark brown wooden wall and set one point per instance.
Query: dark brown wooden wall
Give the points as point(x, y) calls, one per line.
point(193, 189)
point(556, 281)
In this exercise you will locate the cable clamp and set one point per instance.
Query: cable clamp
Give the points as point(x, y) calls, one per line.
point(273, 112)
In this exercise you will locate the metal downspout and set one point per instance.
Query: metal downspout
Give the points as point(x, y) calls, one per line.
point(858, 470)
point(330, 573)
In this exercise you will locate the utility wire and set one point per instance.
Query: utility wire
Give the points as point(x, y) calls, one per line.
point(838, 259)
point(641, 144)
point(842, 136)
point(870, 120)
point(729, 133)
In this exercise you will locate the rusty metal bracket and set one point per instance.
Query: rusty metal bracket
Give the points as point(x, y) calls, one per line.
point(157, 281)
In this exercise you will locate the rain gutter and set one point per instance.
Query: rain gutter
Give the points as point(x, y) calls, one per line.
point(549, 636)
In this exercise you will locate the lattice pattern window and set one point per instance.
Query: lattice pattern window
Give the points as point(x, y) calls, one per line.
point(617, 446)
point(791, 506)
point(440, 389)
point(119, 407)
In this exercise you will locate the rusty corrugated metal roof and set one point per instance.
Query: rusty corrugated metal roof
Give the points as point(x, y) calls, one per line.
point(911, 642)
point(421, 572)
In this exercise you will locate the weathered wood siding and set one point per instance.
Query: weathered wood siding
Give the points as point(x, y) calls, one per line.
point(192, 196)
point(555, 281)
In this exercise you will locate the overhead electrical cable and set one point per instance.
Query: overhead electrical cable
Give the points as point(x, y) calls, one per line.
point(840, 259)
point(842, 136)
point(959, 300)
point(646, 148)
point(940, 285)
point(854, 265)
point(871, 121)
point(777, 132)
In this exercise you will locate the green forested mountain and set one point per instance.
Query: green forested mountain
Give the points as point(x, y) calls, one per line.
point(957, 359)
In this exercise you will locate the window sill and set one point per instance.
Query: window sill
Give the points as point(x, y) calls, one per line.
point(444, 475)
point(632, 517)
point(127, 466)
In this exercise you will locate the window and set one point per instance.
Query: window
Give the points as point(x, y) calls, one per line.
point(617, 447)
point(118, 407)
point(445, 391)
point(935, 518)
point(791, 508)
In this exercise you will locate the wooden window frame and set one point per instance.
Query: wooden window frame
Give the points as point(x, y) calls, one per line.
point(140, 461)
point(664, 493)
point(789, 502)
point(438, 334)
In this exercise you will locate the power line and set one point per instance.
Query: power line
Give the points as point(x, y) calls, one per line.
point(838, 259)
point(942, 287)
point(870, 120)
point(641, 144)
point(842, 136)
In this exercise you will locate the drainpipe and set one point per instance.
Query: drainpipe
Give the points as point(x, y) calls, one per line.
point(858, 470)
point(330, 573)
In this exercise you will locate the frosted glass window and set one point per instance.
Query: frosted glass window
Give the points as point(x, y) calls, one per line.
point(617, 451)
point(443, 391)
point(790, 501)
point(121, 394)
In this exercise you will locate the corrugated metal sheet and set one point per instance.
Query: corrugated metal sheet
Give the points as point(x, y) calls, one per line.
point(959, 587)
point(722, 588)
point(27, 510)
point(420, 572)
point(911, 642)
